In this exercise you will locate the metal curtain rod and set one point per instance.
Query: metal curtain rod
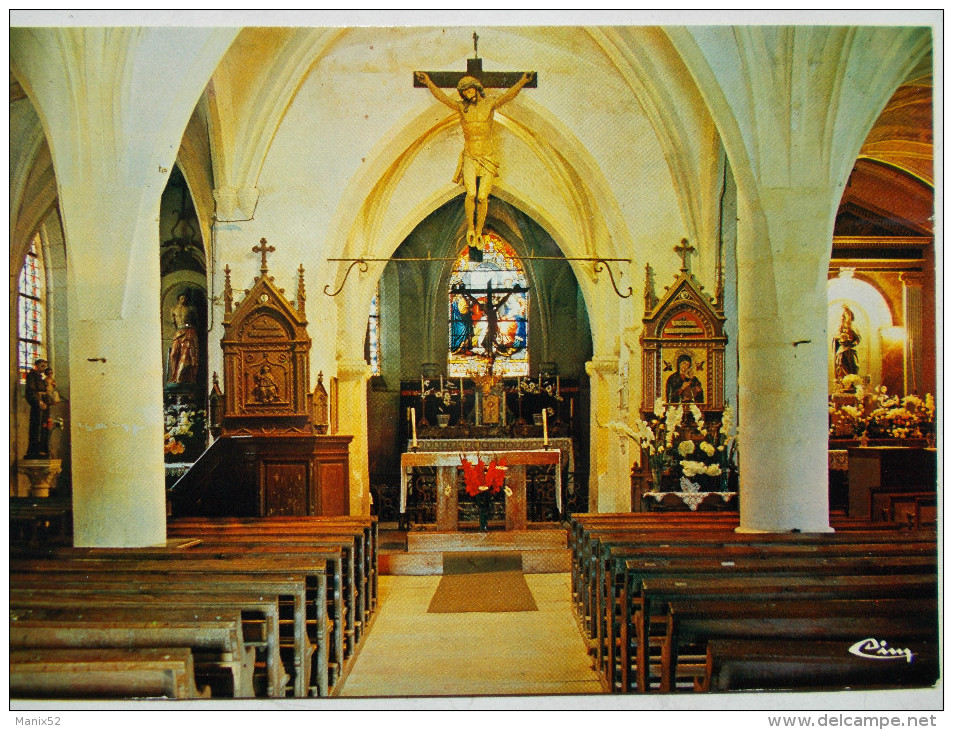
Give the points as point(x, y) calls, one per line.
point(600, 264)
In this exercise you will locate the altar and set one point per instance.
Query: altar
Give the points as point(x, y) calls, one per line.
point(518, 454)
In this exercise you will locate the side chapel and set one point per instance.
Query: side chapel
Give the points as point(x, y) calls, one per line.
point(299, 271)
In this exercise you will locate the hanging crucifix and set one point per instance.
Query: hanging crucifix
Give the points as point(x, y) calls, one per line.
point(493, 342)
point(479, 165)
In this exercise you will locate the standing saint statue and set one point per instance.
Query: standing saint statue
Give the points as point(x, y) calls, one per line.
point(38, 396)
point(184, 353)
point(478, 166)
point(845, 346)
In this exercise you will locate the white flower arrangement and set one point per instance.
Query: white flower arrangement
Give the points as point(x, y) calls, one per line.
point(879, 415)
point(686, 448)
point(694, 468)
point(853, 383)
point(658, 438)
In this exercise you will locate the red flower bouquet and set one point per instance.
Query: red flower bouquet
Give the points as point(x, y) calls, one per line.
point(482, 481)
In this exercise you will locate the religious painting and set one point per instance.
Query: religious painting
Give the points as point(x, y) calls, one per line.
point(683, 344)
point(685, 374)
point(488, 312)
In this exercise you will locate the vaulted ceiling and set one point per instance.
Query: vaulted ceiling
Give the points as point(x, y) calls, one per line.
point(891, 189)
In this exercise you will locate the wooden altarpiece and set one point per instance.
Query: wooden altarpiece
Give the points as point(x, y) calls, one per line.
point(683, 362)
point(279, 461)
point(683, 331)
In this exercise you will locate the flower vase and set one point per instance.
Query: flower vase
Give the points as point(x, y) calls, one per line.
point(483, 506)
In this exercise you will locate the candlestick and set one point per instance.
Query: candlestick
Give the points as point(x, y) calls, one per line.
point(441, 382)
point(570, 408)
point(413, 425)
point(421, 385)
point(557, 385)
point(545, 429)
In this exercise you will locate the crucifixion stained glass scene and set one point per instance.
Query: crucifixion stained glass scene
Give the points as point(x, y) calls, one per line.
point(489, 309)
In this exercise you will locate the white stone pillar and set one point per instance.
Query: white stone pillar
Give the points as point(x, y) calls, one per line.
point(782, 378)
point(913, 324)
point(609, 485)
point(116, 429)
point(352, 420)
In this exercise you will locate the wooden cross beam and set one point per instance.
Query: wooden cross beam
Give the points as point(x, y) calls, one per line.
point(489, 79)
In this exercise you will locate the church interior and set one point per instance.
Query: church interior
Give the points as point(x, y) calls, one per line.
point(616, 345)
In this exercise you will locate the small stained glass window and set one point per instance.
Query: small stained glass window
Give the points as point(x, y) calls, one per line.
point(30, 310)
point(372, 342)
point(489, 311)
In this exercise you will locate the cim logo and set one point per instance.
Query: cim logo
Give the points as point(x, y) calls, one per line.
point(873, 649)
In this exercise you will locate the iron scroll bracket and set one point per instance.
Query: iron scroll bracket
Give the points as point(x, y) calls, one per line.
point(598, 264)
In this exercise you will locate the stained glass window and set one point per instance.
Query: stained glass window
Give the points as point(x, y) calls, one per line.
point(30, 315)
point(489, 310)
point(372, 342)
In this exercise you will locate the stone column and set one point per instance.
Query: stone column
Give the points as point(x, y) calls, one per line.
point(115, 366)
point(782, 378)
point(116, 432)
point(352, 419)
point(609, 489)
point(913, 323)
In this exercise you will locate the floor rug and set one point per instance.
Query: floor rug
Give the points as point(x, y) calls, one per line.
point(497, 592)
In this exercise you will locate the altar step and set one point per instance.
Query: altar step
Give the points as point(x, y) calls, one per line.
point(542, 550)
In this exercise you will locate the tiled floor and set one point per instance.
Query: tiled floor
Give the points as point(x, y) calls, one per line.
point(412, 653)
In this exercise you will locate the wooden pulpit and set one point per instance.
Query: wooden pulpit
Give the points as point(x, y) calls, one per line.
point(272, 456)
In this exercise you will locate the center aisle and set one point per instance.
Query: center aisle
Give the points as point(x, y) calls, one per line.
point(411, 653)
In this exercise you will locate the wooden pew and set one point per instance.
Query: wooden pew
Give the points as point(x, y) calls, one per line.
point(103, 673)
point(583, 526)
point(215, 635)
point(656, 593)
point(365, 536)
point(339, 593)
point(734, 664)
point(606, 566)
point(288, 587)
point(588, 532)
point(691, 624)
point(610, 588)
point(314, 523)
point(346, 565)
point(286, 576)
point(260, 615)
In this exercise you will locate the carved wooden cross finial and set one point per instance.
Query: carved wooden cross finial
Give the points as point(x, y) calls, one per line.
point(264, 249)
point(685, 250)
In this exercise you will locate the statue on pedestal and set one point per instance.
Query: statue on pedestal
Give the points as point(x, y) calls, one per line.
point(184, 353)
point(40, 394)
point(845, 346)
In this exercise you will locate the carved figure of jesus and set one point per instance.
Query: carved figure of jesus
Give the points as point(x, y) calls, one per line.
point(478, 166)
